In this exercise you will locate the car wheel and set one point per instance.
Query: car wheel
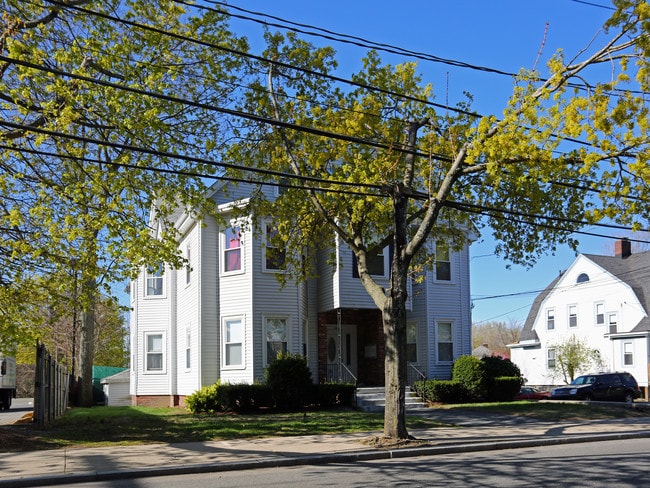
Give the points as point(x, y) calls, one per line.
point(589, 397)
point(629, 398)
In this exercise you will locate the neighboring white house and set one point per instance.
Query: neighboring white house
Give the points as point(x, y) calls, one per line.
point(225, 316)
point(599, 299)
point(116, 389)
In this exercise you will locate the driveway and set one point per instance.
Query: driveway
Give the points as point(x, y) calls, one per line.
point(19, 407)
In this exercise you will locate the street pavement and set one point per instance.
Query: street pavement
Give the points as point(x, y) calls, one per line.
point(462, 432)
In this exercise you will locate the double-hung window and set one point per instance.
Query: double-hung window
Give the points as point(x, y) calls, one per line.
point(154, 354)
point(550, 319)
point(233, 341)
point(276, 337)
point(155, 282)
point(411, 342)
point(612, 320)
point(443, 262)
point(232, 250)
point(445, 342)
point(600, 314)
point(274, 255)
point(573, 316)
point(550, 359)
point(628, 354)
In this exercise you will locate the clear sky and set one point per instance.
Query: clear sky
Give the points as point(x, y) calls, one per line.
point(502, 34)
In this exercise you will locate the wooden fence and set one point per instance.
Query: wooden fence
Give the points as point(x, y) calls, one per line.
point(51, 388)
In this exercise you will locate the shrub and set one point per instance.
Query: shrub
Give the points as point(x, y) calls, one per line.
point(204, 400)
point(498, 367)
point(471, 373)
point(289, 379)
point(244, 398)
point(505, 388)
point(445, 391)
point(330, 395)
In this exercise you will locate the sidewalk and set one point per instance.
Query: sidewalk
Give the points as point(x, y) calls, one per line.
point(466, 432)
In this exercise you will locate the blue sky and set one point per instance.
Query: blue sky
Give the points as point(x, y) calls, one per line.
point(507, 35)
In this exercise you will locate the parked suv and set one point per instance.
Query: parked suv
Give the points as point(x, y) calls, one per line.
point(599, 386)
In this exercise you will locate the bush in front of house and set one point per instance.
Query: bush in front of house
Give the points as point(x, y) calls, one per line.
point(289, 379)
point(505, 388)
point(331, 395)
point(444, 391)
point(204, 400)
point(471, 372)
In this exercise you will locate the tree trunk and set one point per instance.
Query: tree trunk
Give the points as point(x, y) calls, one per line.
point(86, 344)
point(394, 319)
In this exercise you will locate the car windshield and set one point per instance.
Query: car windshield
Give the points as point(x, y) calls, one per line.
point(584, 380)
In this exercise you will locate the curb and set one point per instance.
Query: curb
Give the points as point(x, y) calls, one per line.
point(319, 459)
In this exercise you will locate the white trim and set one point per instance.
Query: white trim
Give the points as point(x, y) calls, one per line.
point(287, 325)
point(222, 250)
point(146, 352)
point(265, 226)
point(225, 321)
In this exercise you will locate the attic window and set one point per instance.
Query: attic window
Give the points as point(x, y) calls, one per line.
point(582, 278)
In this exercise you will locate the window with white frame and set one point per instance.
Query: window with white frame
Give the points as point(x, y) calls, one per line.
point(275, 329)
point(232, 249)
point(550, 319)
point(154, 280)
point(443, 261)
point(600, 313)
point(376, 263)
point(274, 255)
point(628, 354)
point(445, 342)
point(550, 359)
point(305, 337)
point(233, 342)
point(573, 316)
point(154, 352)
point(188, 348)
point(411, 342)
point(612, 321)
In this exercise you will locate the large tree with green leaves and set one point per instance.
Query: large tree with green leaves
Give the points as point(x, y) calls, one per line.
point(93, 113)
point(375, 163)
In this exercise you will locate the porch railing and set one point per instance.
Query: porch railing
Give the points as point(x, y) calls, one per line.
point(413, 375)
point(340, 373)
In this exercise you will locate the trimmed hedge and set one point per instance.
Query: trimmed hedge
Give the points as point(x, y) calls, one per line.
point(289, 378)
point(479, 377)
point(505, 388)
point(444, 391)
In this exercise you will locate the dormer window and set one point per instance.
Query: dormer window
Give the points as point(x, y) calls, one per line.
point(582, 278)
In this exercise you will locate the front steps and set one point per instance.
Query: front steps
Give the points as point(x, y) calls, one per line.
point(373, 399)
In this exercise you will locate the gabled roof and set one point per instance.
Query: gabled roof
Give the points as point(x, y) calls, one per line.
point(633, 270)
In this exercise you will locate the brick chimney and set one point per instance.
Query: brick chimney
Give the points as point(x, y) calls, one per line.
point(623, 248)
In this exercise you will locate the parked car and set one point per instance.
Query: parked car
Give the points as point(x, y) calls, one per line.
point(599, 386)
point(532, 393)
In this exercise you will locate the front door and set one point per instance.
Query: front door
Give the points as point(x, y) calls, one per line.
point(341, 344)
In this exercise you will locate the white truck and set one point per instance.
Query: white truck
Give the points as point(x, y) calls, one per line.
point(7, 381)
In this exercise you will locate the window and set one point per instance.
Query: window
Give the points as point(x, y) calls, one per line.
point(550, 359)
point(628, 354)
point(305, 337)
point(188, 267)
point(188, 348)
point(232, 250)
point(276, 337)
point(573, 316)
point(550, 319)
point(154, 353)
point(582, 278)
point(274, 256)
point(233, 340)
point(445, 342)
point(443, 262)
point(377, 264)
point(154, 277)
point(411, 342)
point(600, 314)
point(612, 320)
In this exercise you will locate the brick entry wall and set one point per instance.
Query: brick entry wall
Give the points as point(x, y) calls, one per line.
point(370, 342)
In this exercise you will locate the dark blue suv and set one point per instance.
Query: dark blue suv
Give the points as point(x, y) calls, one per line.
point(599, 386)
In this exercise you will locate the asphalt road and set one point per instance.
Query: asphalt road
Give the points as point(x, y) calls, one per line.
point(19, 407)
point(620, 464)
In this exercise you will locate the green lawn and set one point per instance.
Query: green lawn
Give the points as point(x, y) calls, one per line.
point(102, 426)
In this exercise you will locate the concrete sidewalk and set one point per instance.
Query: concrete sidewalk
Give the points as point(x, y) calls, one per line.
point(465, 432)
